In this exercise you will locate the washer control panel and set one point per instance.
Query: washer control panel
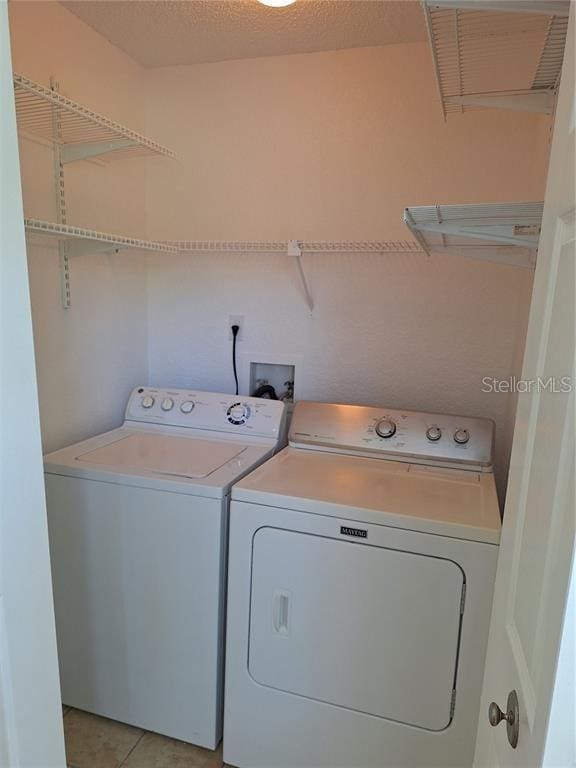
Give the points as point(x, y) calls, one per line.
point(424, 438)
point(206, 410)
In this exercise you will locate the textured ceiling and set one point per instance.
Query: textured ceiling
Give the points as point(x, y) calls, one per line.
point(159, 33)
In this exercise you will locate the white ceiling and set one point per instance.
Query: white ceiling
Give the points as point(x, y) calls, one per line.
point(160, 33)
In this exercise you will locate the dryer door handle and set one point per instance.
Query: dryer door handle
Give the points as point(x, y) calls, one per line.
point(281, 611)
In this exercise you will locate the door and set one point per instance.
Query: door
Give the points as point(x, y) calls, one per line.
point(30, 714)
point(379, 643)
point(537, 543)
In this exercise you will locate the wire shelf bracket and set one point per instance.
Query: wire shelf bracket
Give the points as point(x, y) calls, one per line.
point(83, 132)
point(295, 251)
point(507, 233)
point(497, 55)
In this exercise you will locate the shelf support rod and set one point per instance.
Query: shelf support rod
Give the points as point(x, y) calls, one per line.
point(295, 250)
point(83, 151)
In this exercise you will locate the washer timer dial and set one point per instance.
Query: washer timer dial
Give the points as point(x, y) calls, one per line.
point(147, 401)
point(386, 428)
point(238, 413)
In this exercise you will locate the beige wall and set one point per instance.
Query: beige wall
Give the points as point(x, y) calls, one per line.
point(89, 356)
point(318, 146)
point(328, 145)
point(333, 146)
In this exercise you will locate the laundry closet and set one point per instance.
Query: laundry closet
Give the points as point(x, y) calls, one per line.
point(353, 187)
point(324, 146)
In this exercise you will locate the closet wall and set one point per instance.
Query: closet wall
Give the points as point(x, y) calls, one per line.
point(89, 356)
point(319, 146)
point(332, 146)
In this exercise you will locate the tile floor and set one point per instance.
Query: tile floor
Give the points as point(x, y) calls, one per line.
point(95, 742)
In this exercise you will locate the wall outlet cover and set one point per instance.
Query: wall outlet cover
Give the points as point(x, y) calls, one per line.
point(236, 320)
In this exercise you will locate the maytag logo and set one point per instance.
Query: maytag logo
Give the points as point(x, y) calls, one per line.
point(359, 533)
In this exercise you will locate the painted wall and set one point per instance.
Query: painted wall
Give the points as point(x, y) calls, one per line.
point(332, 146)
point(318, 146)
point(88, 356)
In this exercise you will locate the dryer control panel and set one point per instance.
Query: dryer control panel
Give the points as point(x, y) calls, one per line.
point(420, 438)
point(195, 409)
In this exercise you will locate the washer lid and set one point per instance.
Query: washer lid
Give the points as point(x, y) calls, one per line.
point(164, 454)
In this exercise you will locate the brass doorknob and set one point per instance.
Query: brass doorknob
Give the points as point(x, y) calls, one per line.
point(511, 716)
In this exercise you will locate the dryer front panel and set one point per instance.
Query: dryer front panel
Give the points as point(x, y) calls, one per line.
point(355, 625)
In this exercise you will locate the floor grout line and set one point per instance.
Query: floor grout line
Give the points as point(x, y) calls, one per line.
point(133, 748)
point(206, 762)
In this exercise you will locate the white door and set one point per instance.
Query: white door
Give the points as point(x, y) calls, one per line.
point(320, 620)
point(538, 534)
point(30, 714)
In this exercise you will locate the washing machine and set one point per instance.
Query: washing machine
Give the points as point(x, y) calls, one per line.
point(138, 521)
point(362, 560)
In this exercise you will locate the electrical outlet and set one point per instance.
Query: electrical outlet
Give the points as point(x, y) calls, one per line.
point(236, 320)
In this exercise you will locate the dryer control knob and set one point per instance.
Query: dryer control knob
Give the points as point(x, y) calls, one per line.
point(461, 436)
point(167, 404)
point(187, 406)
point(386, 428)
point(433, 433)
point(147, 401)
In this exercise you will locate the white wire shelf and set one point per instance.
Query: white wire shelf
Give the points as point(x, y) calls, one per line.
point(497, 54)
point(283, 246)
point(507, 233)
point(82, 241)
point(295, 249)
point(82, 132)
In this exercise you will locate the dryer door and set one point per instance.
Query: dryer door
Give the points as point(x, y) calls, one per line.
point(367, 628)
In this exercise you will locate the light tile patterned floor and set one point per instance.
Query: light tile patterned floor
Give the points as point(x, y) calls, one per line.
point(95, 742)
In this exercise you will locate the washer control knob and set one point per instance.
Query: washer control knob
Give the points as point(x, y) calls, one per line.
point(238, 413)
point(167, 404)
point(386, 428)
point(433, 433)
point(187, 406)
point(461, 436)
point(147, 401)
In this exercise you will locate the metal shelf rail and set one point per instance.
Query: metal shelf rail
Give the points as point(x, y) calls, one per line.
point(506, 233)
point(296, 249)
point(83, 241)
point(79, 241)
point(282, 246)
point(490, 54)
